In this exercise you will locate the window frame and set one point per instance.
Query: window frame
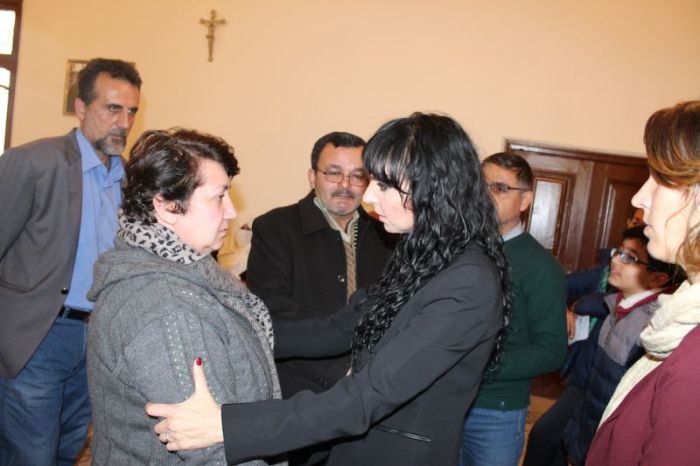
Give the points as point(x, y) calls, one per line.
point(9, 62)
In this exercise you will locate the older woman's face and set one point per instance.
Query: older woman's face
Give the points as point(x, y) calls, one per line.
point(668, 214)
point(205, 223)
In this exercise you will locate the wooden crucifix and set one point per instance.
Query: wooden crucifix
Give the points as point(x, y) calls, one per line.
point(211, 25)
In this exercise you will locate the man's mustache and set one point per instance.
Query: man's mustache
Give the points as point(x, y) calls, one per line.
point(343, 193)
point(119, 132)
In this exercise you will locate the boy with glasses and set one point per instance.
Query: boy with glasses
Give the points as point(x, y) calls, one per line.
point(611, 348)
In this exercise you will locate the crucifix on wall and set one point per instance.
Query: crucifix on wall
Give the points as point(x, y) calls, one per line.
point(211, 25)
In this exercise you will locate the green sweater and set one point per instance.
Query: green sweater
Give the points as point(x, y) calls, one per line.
point(536, 338)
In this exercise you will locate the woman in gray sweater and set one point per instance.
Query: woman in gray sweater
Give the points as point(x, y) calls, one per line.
point(162, 301)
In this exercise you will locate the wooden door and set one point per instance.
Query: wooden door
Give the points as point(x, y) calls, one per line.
point(581, 199)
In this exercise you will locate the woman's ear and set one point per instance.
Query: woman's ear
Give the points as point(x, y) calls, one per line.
point(164, 210)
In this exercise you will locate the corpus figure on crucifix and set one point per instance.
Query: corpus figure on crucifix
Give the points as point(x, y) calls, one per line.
point(211, 24)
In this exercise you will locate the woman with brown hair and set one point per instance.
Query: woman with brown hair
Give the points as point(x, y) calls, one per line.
point(652, 417)
point(161, 300)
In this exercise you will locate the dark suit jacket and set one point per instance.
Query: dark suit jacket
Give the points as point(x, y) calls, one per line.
point(41, 193)
point(405, 404)
point(297, 267)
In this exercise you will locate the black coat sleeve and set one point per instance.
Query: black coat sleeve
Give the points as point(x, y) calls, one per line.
point(317, 338)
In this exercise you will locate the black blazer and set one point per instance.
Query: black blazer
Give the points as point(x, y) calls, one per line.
point(297, 267)
point(405, 404)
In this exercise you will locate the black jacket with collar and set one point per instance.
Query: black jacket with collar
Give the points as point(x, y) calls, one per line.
point(297, 267)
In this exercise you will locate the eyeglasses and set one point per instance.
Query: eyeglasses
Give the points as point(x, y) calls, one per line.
point(501, 188)
point(359, 179)
point(626, 258)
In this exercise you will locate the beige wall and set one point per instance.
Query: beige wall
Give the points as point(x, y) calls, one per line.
point(584, 74)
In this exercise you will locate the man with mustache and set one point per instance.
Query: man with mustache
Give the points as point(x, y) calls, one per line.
point(60, 198)
point(306, 259)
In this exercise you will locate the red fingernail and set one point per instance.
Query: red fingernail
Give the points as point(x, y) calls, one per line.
point(198, 361)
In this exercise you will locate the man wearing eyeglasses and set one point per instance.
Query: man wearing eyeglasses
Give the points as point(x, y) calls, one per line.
point(536, 339)
point(306, 259)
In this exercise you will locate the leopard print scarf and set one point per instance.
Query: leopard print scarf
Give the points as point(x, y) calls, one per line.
point(158, 239)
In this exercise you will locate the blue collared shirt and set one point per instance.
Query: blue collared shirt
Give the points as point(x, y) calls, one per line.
point(516, 231)
point(98, 219)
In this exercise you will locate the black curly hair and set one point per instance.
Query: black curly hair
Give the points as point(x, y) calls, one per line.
point(435, 158)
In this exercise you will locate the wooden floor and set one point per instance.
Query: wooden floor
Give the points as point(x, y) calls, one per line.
point(84, 457)
point(538, 405)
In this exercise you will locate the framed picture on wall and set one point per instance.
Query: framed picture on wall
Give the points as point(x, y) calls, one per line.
point(70, 91)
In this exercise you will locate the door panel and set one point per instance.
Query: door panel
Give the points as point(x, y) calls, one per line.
point(545, 217)
point(616, 185)
point(581, 199)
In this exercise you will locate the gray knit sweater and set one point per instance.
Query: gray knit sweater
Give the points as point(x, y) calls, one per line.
point(153, 317)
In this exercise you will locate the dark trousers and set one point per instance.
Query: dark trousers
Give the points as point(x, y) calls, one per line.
point(544, 446)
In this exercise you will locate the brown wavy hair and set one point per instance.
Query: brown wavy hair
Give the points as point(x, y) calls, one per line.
point(672, 140)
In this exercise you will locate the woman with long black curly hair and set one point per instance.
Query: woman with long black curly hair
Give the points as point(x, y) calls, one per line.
point(420, 338)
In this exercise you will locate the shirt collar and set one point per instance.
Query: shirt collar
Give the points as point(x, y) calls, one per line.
point(90, 160)
point(630, 301)
point(331, 221)
point(88, 156)
point(516, 231)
